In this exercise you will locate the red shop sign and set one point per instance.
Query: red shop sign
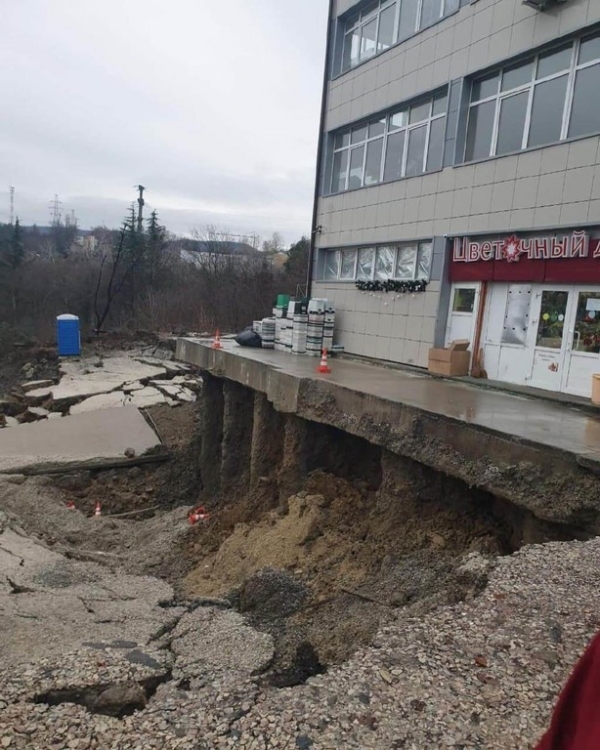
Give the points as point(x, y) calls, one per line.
point(569, 258)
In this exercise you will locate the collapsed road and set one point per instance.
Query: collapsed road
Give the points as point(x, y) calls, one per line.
point(366, 601)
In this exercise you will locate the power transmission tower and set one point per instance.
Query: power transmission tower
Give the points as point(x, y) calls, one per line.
point(12, 204)
point(55, 210)
point(141, 204)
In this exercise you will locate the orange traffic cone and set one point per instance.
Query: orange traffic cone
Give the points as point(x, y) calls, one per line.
point(216, 344)
point(198, 514)
point(98, 509)
point(324, 367)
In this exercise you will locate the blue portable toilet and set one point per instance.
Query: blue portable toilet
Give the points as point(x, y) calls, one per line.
point(68, 336)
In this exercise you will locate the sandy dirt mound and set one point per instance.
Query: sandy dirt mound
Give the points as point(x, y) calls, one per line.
point(293, 541)
point(358, 554)
point(339, 530)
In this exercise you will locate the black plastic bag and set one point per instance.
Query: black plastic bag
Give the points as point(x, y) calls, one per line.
point(249, 338)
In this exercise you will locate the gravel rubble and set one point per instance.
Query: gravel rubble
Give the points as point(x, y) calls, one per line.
point(482, 674)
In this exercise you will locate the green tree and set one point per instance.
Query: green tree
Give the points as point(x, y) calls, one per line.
point(62, 237)
point(155, 254)
point(13, 250)
point(12, 258)
point(296, 265)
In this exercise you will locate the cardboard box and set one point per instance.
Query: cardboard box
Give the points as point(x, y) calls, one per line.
point(452, 361)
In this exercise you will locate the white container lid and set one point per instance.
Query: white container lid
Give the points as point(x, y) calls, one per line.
point(67, 317)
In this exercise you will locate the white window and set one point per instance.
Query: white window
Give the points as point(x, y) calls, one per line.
point(332, 265)
point(366, 259)
point(385, 258)
point(414, 262)
point(348, 267)
point(368, 32)
point(404, 263)
point(382, 23)
point(542, 100)
point(406, 142)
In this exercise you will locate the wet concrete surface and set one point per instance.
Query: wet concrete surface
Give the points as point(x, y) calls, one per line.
point(516, 417)
point(77, 440)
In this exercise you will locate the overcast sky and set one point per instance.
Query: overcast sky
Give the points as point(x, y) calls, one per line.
point(213, 105)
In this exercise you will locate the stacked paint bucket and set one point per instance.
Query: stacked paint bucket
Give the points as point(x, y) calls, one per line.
point(328, 326)
point(297, 312)
point(279, 328)
point(268, 333)
point(283, 300)
point(288, 327)
point(316, 321)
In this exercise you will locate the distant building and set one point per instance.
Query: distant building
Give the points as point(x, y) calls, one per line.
point(199, 252)
point(460, 148)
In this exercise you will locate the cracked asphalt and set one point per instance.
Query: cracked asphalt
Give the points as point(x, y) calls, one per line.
point(93, 657)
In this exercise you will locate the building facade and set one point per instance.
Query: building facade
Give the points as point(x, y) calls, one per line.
point(458, 190)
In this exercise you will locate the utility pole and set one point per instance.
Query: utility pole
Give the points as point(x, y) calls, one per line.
point(12, 204)
point(141, 203)
point(55, 210)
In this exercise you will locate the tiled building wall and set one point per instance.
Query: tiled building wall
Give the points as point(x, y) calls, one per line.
point(389, 326)
point(548, 187)
point(477, 36)
point(542, 188)
point(398, 328)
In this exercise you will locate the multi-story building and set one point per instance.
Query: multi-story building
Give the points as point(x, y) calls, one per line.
point(458, 189)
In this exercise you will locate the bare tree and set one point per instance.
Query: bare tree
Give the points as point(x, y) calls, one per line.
point(274, 245)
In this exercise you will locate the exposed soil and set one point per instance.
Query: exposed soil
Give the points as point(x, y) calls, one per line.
point(356, 554)
point(20, 361)
point(150, 487)
point(23, 358)
point(368, 534)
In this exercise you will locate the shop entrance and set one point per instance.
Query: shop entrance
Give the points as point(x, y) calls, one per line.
point(583, 345)
point(566, 332)
point(464, 304)
point(549, 336)
point(541, 322)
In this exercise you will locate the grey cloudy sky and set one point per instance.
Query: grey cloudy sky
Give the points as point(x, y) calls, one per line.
point(211, 104)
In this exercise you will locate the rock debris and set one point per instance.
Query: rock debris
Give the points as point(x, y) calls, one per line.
point(482, 674)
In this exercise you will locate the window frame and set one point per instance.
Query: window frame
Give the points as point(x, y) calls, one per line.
point(397, 247)
point(343, 252)
point(356, 20)
point(389, 130)
point(569, 72)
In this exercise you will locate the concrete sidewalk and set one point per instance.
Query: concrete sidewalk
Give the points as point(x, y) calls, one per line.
point(77, 441)
point(516, 417)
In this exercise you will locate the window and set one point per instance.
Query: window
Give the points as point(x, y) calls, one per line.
point(348, 269)
point(384, 262)
point(585, 114)
point(404, 262)
point(406, 142)
point(383, 23)
point(586, 336)
point(464, 300)
point(366, 258)
point(368, 32)
point(542, 100)
point(551, 324)
point(511, 125)
point(332, 265)
point(407, 259)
